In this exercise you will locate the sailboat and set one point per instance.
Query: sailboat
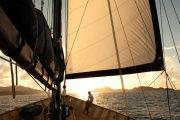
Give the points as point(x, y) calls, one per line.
point(103, 38)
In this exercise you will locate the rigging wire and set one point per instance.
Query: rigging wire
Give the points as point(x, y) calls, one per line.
point(10, 61)
point(145, 98)
point(168, 97)
point(80, 6)
point(117, 53)
point(174, 88)
point(75, 38)
point(92, 45)
point(167, 76)
point(176, 50)
point(93, 22)
point(7, 60)
point(101, 18)
point(39, 85)
point(156, 78)
point(162, 33)
point(175, 11)
point(145, 27)
point(134, 61)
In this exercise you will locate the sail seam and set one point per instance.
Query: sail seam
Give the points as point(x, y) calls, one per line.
point(77, 32)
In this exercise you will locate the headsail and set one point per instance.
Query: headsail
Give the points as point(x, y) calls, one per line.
point(93, 52)
point(90, 46)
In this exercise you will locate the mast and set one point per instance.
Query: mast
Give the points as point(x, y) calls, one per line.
point(57, 39)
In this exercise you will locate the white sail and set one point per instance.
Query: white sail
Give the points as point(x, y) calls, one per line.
point(90, 44)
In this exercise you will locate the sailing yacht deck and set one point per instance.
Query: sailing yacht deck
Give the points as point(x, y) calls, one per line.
point(76, 113)
point(95, 112)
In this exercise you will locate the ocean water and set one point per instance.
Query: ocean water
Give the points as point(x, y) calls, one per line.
point(156, 101)
point(8, 103)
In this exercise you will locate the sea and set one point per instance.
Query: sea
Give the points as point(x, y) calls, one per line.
point(157, 102)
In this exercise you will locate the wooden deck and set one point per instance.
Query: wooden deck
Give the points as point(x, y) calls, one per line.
point(76, 113)
point(95, 112)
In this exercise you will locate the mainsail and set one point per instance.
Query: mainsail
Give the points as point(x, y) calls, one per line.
point(90, 45)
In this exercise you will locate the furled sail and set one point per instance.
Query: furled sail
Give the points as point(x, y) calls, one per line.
point(26, 38)
point(90, 45)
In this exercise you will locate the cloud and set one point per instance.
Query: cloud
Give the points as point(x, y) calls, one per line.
point(172, 47)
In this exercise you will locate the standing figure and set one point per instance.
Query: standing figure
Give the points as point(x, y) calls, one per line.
point(89, 102)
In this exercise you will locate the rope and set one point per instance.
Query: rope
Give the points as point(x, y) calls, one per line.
point(144, 96)
point(39, 85)
point(134, 61)
point(178, 57)
point(117, 54)
point(175, 11)
point(77, 32)
point(162, 33)
point(167, 76)
point(159, 111)
point(12, 63)
point(173, 87)
point(156, 78)
point(80, 6)
point(7, 60)
point(168, 97)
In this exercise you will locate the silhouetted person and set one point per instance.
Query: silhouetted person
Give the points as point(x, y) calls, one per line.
point(89, 102)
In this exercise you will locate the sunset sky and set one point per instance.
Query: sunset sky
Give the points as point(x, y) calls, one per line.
point(131, 81)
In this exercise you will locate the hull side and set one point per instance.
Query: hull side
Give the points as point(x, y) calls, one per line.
point(76, 112)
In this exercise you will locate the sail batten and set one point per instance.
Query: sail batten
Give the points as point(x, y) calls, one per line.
point(92, 52)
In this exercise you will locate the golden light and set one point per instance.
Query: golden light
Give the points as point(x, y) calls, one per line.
point(80, 87)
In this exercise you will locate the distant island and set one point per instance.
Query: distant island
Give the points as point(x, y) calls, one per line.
point(105, 89)
point(136, 89)
point(20, 90)
point(149, 88)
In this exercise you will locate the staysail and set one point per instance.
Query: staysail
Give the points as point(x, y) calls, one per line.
point(90, 47)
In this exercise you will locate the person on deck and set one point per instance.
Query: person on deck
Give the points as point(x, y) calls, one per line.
point(90, 97)
point(89, 102)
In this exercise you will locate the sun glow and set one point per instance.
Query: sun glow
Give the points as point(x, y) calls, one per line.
point(82, 86)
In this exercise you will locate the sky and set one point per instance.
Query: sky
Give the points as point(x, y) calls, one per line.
point(131, 81)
